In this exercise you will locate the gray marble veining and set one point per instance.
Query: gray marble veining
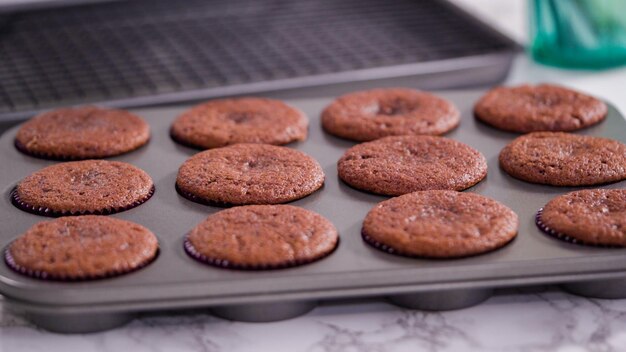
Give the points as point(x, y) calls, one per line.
point(542, 319)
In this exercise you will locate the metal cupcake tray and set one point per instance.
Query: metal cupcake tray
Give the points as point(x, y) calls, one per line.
point(355, 269)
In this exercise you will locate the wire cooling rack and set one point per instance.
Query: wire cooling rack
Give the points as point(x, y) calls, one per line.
point(141, 52)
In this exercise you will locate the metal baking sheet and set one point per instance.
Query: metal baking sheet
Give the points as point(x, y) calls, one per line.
point(145, 52)
point(355, 269)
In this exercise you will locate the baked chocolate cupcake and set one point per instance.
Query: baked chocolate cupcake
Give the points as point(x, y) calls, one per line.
point(249, 174)
point(222, 122)
point(262, 237)
point(564, 159)
point(594, 217)
point(543, 107)
point(372, 114)
point(86, 132)
point(399, 165)
point(83, 187)
point(81, 248)
point(440, 224)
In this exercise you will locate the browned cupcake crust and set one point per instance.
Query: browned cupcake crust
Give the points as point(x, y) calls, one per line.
point(564, 159)
point(83, 187)
point(440, 224)
point(82, 248)
point(218, 123)
point(249, 174)
point(262, 237)
point(543, 107)
point(399, 165)
point(593, 217)
point(372, 114)
point(79, 133)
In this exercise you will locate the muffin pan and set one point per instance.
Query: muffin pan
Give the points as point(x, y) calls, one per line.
point(176, 281)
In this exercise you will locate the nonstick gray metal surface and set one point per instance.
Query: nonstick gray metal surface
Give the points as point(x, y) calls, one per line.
point(175, 281)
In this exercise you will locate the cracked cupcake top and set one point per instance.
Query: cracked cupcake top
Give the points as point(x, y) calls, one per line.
point(249, 174)
point(262, 237)
point(564, 159)
point(83, 187)
point(399, 165)
point(543, 107)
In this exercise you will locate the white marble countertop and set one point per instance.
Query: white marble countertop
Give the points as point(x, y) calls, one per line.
point(529, 320)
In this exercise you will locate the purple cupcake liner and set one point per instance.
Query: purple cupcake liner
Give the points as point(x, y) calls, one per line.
point(47, 156)
point(191, 145)
point(225, 264)
point(564, 237)
point(54, 157)
point(388, 249)
point(192, 197)
point(200, 200)
point(43, 211)
point(382, 247)
point(42, 275)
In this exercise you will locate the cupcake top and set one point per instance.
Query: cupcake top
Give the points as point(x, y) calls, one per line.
point(81, 248)
point(262, 237)
point(85, 132)
point(83, 187)
point(222, 122)
point(544, 107)
point(593, 217)
point(249, 174)
point(377, 113)
point(440, 224)
point(399, 165)
point(564, 159)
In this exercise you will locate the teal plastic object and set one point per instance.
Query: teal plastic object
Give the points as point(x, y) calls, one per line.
point(587, 34)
